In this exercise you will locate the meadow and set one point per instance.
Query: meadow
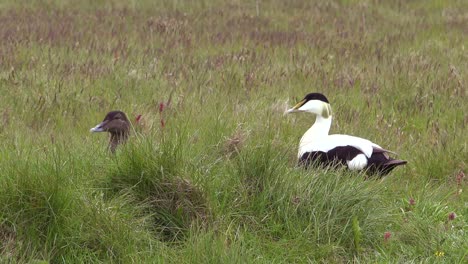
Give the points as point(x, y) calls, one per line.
point(209, 173)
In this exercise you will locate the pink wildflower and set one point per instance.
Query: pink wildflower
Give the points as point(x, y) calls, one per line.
point(387, 236)
point(161, 107)
point(452, 216)
point(138, 118)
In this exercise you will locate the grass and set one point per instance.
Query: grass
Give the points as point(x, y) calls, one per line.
point(209, 174)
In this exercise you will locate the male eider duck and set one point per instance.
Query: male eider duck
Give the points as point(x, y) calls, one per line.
point(118, 126)
point(317, 146)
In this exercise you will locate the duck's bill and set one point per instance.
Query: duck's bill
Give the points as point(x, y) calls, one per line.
point(292, 110)
point(97, 128)
point(295, 109)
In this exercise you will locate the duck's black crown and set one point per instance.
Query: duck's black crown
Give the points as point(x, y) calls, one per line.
point(316, 96)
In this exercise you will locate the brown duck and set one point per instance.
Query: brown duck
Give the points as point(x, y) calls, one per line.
point(118, 126)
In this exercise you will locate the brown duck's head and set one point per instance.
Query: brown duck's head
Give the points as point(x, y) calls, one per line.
point(118, 126)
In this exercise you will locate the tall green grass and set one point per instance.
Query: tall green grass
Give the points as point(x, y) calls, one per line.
point(212, 177)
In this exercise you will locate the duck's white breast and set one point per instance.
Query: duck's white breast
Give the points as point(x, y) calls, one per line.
point(330, 142)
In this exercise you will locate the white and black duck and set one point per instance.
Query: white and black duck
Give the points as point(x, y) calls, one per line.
point(318, 147)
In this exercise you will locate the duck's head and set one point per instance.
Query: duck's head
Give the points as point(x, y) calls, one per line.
point(115, 122)
point(315, 103)
point(118, 126)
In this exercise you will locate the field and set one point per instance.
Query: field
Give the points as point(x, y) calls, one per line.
point(209, 173)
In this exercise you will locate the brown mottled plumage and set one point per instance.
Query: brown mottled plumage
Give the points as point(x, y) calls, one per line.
point(118, 126)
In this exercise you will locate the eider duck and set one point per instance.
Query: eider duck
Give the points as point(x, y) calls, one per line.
point(118, 126)
point(317, 146)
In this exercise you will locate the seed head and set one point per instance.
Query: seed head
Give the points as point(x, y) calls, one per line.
point(460, 177)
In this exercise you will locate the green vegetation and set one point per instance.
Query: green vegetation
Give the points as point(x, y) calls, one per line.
point(209, 173)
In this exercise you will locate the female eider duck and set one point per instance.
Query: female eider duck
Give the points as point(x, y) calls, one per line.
point(118, 126)
point(317, 146)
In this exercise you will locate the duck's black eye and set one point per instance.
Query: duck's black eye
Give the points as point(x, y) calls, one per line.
point(118, 117)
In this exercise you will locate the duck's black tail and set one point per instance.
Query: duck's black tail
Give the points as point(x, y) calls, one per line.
point(382, 164)
point(390, 165)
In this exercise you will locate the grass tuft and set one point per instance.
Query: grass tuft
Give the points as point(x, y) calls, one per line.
point(151, 174)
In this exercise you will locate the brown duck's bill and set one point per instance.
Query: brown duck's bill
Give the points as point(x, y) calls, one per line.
point(98, 128)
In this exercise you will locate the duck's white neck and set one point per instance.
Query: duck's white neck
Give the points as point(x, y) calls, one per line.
point(319, 129)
